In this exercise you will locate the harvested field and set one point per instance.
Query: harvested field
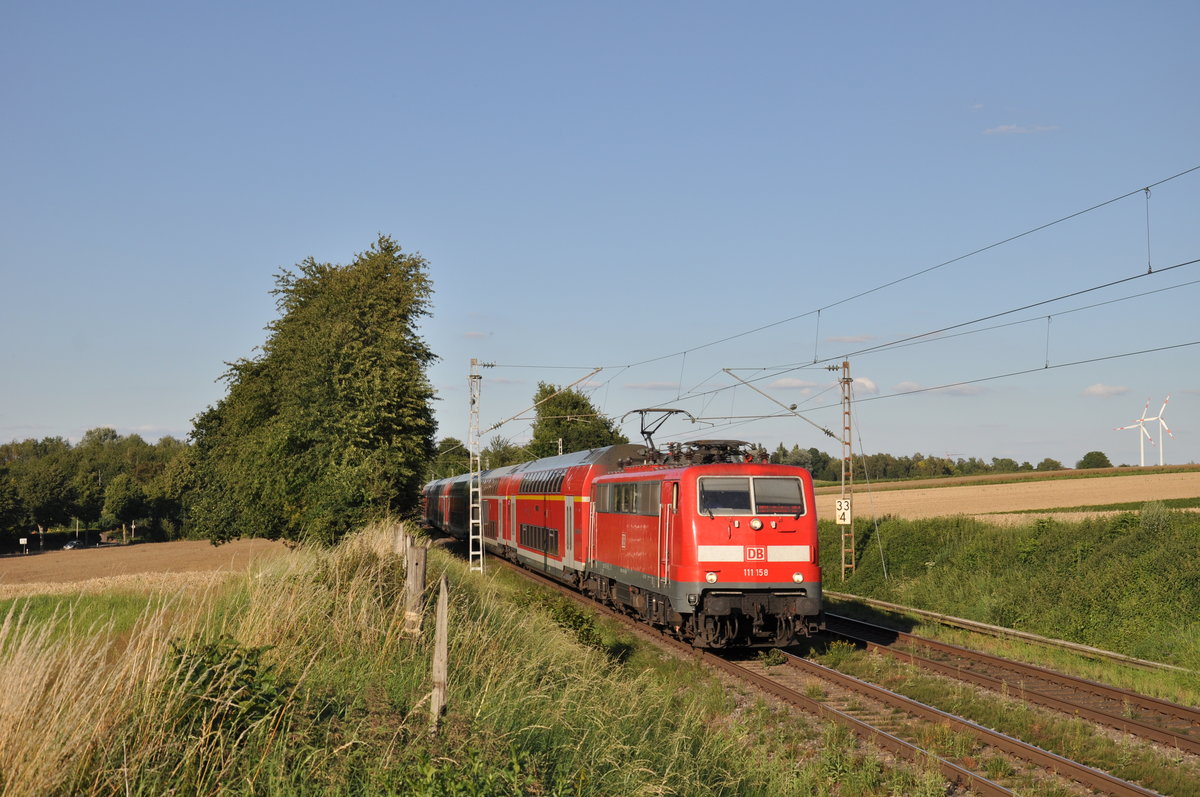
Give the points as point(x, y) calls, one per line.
point(985, 499)
point(142, 567)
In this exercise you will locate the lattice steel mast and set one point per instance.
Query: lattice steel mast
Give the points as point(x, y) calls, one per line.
point(847, 473)
point(475, 533)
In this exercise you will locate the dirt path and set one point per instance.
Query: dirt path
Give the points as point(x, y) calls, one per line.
point(134, 566)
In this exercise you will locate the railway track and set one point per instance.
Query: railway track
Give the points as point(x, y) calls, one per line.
point(1148, 718)
point(888, 720)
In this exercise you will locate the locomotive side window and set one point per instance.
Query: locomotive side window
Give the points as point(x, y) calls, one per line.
point(725, 495)
point(778, 496)
point(649, 498)
point(629, 498)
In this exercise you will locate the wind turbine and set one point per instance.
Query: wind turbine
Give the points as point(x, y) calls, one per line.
point(1140, 424)
point(1162, 427)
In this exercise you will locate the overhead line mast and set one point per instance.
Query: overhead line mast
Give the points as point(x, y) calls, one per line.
point(843, 512)
point(475, 532)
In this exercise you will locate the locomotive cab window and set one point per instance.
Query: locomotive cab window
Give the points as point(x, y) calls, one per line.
point(736, 495)
point(725, 495)
point(778, 496)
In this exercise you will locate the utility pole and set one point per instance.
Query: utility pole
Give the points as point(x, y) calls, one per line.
point(844, 513)
point(475, 532)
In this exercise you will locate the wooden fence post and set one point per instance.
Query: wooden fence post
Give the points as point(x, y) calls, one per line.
point(414, 586)
point(400, 540)
point(441, 658)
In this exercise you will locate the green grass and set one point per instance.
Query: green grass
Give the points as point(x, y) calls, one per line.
point(73, 616)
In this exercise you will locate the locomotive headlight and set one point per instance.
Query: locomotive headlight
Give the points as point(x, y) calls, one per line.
point(710, 577)
point(798, 578)
point(756, 524)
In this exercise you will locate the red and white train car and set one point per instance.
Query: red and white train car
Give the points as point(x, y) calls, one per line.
point(701, 540)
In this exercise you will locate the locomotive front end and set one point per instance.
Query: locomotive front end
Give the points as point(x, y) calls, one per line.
point(755, 571)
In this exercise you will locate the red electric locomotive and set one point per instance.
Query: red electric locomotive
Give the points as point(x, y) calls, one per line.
point(705, 540)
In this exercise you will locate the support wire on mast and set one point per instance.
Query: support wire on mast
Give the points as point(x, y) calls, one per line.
point(475, 532)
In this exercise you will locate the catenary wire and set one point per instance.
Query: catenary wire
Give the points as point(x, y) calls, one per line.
point(920, 272)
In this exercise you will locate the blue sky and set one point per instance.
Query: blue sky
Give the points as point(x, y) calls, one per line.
point(604, 184)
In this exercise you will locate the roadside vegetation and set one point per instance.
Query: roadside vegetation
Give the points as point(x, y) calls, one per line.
point(1128, 582)
point(297, 679)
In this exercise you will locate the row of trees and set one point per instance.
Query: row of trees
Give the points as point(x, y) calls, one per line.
point(918, 466)
point(104, 481)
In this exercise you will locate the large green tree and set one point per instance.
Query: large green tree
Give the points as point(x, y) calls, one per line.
point(11, 508)
point(124, 502)
point(569, 416)
point(45, 492)
point(1093, 459)
point(450, 459)
point(501, 451)
point(332, 423)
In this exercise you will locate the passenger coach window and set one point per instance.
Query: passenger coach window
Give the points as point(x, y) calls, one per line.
point(779, 496)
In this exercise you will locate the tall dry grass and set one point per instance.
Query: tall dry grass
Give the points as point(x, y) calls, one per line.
point(66, 701)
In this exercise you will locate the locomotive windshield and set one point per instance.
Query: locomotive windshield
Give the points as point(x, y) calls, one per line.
point(735, 495)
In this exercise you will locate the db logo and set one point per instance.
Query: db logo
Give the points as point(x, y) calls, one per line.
point(756, 554)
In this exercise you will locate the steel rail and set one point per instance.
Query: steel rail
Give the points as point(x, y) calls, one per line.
point(1032, 694)
point(1072, 770)
point(1001, 631)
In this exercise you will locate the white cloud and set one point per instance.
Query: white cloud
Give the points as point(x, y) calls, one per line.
point(1018, 130)
point(653, 386)
point(864, 385)
point(1104, 391)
